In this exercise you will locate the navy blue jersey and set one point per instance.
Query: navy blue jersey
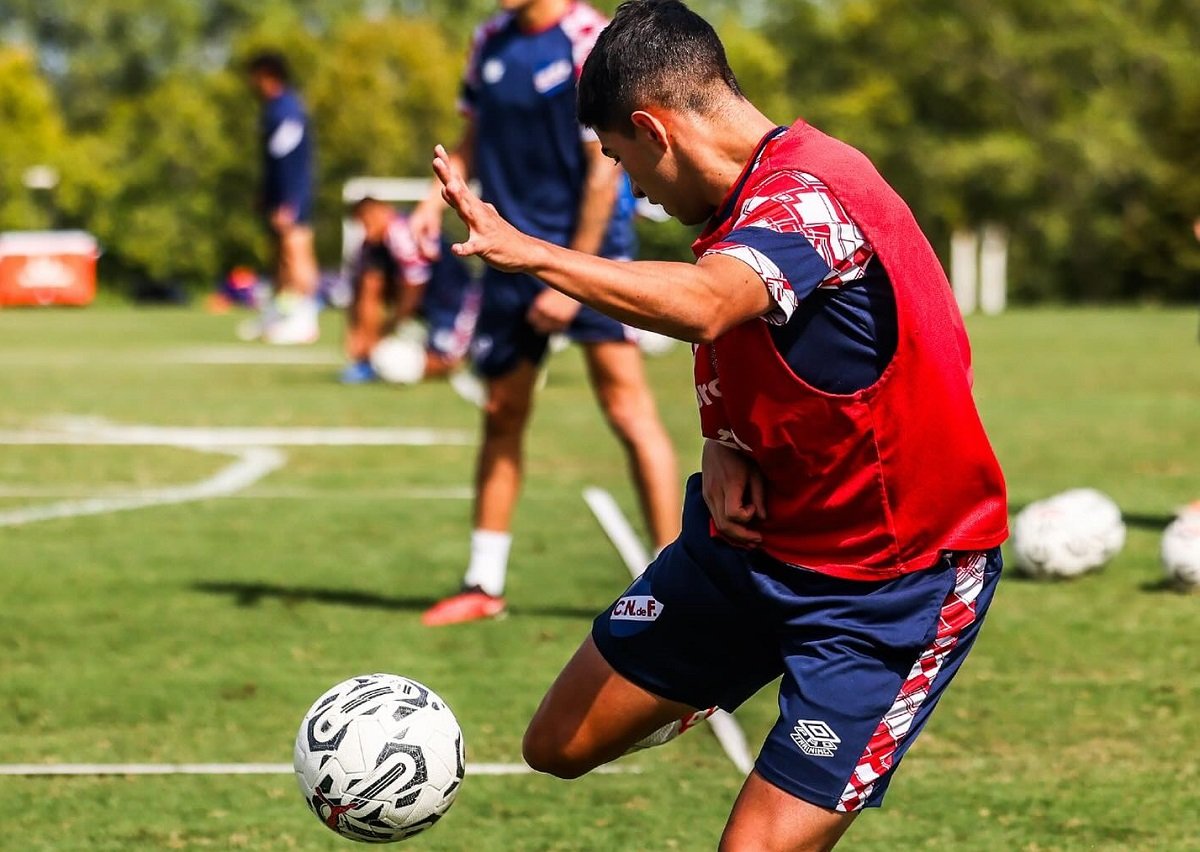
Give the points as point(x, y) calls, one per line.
point(287, 152)
point(529, 157)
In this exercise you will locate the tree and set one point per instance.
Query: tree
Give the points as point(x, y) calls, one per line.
point(31, 134)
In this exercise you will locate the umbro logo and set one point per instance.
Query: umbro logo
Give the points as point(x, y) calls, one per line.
point(815, 738)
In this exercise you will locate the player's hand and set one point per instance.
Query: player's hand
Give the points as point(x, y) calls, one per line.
point(552, 311)
point(490, 237)
point(732, 486)
point(425, 224)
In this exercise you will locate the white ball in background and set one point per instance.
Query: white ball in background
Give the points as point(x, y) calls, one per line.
point(398, 360)
point(1067, 535)
point(1181, 550)
point(652, 343)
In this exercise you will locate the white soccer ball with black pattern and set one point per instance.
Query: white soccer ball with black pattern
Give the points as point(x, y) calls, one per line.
point(379, 758)
point(1068, 534)
point(1181, 550)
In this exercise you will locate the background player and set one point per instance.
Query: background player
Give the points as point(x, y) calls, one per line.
point(844, 532)
point(543, 171)
point(393, 282)
point(287, 150)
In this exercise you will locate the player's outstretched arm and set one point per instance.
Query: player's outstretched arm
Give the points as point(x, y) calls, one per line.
point(693, 302)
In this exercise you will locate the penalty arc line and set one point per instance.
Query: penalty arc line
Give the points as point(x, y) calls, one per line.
point(612, 520)
point(95, 769)
point(253, 463)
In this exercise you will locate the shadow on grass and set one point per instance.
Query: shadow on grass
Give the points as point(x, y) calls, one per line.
point(252, 594)
point(1131, 519)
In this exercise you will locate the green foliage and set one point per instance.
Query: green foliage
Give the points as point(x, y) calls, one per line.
point(32, 134)
point(1073, 124)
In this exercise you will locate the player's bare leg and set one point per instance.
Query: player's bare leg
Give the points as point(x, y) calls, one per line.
point(497, 485)
point(592, 715)
point(618, 378)
point(366, 316)
point(766, 819)
point(498, 469)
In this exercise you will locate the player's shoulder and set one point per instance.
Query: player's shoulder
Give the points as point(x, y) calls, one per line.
point(805, 196)
point(583, 21)
point(490, 28)
point(582, 25)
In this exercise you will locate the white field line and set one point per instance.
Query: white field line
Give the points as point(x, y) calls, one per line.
point(93, 433)
point(253, 463)
point(612, 520)
point(30, 769)
point(251, 356)
point(416, 492)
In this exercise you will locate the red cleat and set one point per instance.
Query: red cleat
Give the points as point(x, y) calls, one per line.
point(468, 605)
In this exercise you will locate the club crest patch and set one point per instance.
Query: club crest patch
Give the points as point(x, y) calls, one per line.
point(636, 608)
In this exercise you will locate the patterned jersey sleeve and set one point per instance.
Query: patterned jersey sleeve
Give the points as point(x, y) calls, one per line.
point(414, 268)
point(582, 26)
point(468, 93)
point(797, 237)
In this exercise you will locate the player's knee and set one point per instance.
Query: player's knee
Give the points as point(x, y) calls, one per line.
point(505, 417)
point(545, 750)
point(627, 416)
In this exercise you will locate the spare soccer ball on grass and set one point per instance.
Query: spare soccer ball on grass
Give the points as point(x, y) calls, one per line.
point(1068, 534)
point(399, 360)
point(379, 758)
point(1181, 550)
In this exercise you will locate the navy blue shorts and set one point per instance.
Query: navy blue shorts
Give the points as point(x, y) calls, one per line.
point(862, 663)
point(504, 338)
point(451, 307)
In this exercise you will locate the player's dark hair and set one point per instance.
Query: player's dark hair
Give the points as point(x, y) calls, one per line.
point(270, 63)
point(367, 202)
point(653, 52)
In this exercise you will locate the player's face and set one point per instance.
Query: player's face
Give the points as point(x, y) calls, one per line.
point(654, 172)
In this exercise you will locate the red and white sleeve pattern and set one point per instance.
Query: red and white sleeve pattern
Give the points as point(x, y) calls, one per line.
point(831, 251)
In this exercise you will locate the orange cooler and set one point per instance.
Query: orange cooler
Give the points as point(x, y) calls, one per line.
point(47, 267)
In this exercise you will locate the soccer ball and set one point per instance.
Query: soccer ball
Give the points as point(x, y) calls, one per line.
point(1068, 534)
point(1181, 550)
point(379, 758)
point(399, 360)
point(654, 344)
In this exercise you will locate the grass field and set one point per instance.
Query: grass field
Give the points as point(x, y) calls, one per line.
point(200, 632)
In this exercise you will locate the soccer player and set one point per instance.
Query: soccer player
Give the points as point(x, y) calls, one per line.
point(393, 282)
point(286, 142)
point(844, 530)
point(544, 172)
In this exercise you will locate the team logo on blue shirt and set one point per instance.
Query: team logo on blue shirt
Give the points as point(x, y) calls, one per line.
point(553, 76)
point(492, 71)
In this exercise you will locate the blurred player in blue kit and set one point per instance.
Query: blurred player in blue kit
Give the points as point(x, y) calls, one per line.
point(288, 151)
point(843, 534)
point(392, 282)
point(546, 173)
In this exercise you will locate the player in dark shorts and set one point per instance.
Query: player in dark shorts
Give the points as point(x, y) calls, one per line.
point(288, 151)
point(542, 170)
point(393, 282)
point(843, 533)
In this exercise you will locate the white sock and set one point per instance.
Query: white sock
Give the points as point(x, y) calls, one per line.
point(489, 561)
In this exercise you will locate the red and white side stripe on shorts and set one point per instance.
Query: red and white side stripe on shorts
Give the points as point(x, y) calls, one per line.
point(958, 612)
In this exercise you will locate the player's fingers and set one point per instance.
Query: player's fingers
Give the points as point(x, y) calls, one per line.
point(735, 509)
point(757, 494)
point(740, 534)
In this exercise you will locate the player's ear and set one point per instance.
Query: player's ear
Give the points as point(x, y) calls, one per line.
point(650, 125)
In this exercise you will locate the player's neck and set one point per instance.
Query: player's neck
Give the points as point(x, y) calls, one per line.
point(730, 142)
point(538, 15)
